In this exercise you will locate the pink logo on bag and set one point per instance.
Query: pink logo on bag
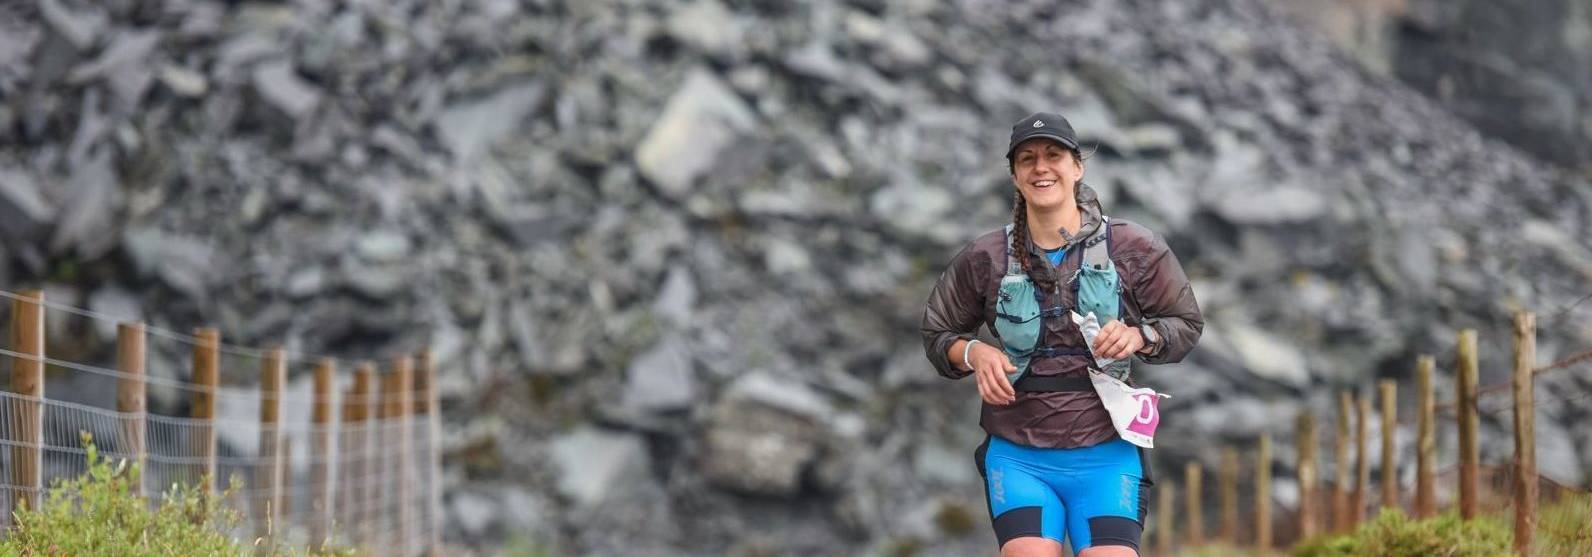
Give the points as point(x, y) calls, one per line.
point(1149, 414)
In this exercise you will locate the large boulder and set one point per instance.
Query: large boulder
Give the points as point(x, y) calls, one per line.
point(763, 435)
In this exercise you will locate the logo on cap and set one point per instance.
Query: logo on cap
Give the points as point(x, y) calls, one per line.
point(1039, 123)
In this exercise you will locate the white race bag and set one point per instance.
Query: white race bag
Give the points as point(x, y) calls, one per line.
point(1135, 412)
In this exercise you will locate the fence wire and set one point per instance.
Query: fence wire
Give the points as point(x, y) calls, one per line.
point(356, 500)
point(362, 484)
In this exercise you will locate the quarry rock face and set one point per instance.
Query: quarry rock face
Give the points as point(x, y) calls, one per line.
point(1516, 71)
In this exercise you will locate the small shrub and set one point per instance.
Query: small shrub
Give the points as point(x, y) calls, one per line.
point(99, 514)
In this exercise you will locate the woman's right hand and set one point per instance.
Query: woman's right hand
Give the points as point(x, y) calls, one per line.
point(990, 366)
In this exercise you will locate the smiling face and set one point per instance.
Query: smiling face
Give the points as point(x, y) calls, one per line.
point(1046, 172)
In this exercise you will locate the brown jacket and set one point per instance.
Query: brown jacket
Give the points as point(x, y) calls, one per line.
point(1156, 291)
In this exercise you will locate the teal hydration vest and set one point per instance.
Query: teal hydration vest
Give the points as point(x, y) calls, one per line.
point(1020, 315)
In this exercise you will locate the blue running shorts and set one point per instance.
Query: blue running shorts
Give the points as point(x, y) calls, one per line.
point(1089, 496)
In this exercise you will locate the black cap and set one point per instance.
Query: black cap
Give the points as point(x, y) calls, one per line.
point(1042, 124)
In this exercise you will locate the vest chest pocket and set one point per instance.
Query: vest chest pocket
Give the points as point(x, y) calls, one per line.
point(1017, 319)
point(1099, 292)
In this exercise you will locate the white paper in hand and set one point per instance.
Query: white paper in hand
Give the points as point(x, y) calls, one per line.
point(1091, 329)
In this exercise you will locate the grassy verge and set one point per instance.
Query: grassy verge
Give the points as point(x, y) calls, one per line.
point(1561, 530)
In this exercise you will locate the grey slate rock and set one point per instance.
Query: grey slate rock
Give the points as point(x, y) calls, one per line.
point(82, 26)
point(124, 65)
point(469, 129)
point(16, 44)
point(183, 81)
point(24, 211)
point(702, 120)
point(661, 379)
point(186, 264)
point(677, 297)
point(280, 85)
point(116, 302)
point(86, 226)
point(475, 513)
point(527, 339)
point(595, 465)
point(306, 282)
point(384, 246)
point(763, 435)
point(378, 281)
point(757, 449)
point(708, 26)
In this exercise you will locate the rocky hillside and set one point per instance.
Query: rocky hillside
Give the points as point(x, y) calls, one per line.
point(672, 256)
point(1518, 71)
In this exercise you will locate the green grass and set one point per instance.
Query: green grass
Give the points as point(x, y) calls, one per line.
point(1561, 531)
point(1562, 527)
point(1392, 534)
point(520, 546)
point(1222, 550)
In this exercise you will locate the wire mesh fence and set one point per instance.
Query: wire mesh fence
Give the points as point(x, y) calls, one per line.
point(337, 462)
point(1445, 464)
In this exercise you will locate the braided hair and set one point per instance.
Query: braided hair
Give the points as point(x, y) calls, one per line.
point(1046, 279)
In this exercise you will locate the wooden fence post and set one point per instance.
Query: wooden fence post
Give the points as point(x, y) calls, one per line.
point(130, 394)
point(426, 403)
point(1469, 458)
point(395, 408)
point(268, 485)
point(376, 486)
point(321, 454)
point(1525, 432)
point(360, 469)
point(1263, 494)
point(1307, 474)
point(1341, 519)
point(1228, 481)
point(1193, 497)
point(346, 463)
point(206, 378)
point(27, 381)
point(1164, 520)
point(389, 482)
point(404, 369)
point(1362, 464)
point(1390, 461)
point(1426, 441)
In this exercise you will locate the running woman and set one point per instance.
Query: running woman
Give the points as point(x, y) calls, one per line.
point(1054, 466)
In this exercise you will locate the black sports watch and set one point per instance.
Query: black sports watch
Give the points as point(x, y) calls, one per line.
point(1152, 339)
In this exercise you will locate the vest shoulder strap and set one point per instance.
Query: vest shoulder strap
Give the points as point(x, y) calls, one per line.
point(1097, 247)
point(1012, 266)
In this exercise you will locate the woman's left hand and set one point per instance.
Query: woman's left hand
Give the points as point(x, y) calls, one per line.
point(1118, 341)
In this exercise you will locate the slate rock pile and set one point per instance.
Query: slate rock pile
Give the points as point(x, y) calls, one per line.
point(672, 256)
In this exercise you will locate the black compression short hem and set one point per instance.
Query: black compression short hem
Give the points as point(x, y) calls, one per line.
point(1017, 523)
point(1115, 530)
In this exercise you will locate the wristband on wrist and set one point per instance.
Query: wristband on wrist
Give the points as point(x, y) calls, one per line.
point(965, 349)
